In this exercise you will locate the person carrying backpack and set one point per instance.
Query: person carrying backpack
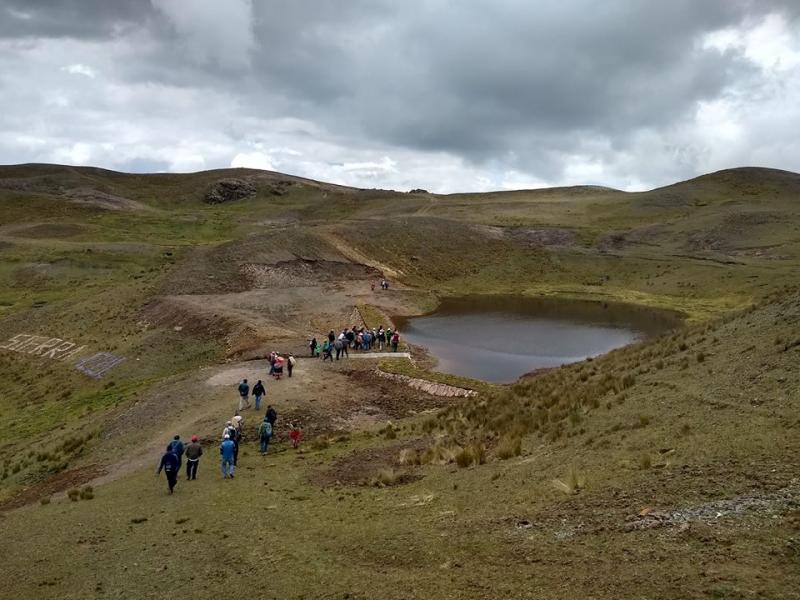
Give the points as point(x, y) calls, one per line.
point(258, 392)
point(169, 463)
point(193, 453)
point(327, 351)
point(244, 393)
point(264, 435)
point(290, 362)
point(177, 447)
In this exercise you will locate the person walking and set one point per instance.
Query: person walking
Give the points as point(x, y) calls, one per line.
point(271, 416)
point(169, 464)
point(259, 391)
point(193, 453)
point(244, 393)
point(178, 448)
point(395, 340)
point(290, 364)
point(313, 346)
point(264, 435)
point(339, 345)
point(236, 436)
point(226, 450)
point(381, 338)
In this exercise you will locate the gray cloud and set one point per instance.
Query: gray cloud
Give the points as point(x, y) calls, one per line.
point(439, 93)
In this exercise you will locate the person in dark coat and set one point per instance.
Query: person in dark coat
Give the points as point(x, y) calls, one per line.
point(271, 416)
point(313, 346)
point(178, 449)
point(193, 453)
point(170, 464)
point(259, 391)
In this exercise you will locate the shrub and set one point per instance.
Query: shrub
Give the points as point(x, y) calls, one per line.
point(700, 357)
point(74, 494)
point(44, 500)
point(509, 447)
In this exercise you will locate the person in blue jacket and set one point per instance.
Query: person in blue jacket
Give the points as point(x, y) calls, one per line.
point(226, 450)
point(178, 448)
point(169, 464)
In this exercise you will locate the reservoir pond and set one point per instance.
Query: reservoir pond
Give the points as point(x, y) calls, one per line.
point(499, 339)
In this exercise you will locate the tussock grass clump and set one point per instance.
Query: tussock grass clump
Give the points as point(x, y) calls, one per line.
point(508, 448)
point(385, 478)
point(409, 456)
point(573, 483)
point(389, 432)
point(474, 453)
point(44, 500)
point(74, 494)
point(438, 454)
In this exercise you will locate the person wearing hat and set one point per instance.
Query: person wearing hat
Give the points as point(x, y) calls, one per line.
point(170, 464)
point(193, 453)
point(226, 450)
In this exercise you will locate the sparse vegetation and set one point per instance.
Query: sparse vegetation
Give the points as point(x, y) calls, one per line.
point(573, 483)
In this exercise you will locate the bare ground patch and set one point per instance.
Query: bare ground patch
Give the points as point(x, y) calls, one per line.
point(53, 485)
point(360, 467)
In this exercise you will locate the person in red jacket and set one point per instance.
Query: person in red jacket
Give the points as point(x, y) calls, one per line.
point(294, 434)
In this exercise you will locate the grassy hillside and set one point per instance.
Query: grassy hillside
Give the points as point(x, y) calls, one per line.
point(645, 445)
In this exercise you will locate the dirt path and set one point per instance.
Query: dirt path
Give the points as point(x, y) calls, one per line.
point(326, 399)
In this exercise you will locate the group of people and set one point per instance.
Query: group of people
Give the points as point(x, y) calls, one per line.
point(172, 460)
point(276, 363)
point(232, 436)
point(355, 338)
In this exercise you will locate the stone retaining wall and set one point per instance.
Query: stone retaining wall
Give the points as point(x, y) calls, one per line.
point(430, 387)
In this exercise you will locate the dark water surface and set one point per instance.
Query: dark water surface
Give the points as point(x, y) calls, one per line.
point(501, 338)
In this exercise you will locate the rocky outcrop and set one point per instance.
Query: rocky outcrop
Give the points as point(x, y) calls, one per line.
point(229, 190)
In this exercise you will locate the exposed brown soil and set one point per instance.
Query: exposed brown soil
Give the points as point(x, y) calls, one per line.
point(360, 466)
point(53, 485)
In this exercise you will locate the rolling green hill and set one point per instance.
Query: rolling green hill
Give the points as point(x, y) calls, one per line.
point(666, 469)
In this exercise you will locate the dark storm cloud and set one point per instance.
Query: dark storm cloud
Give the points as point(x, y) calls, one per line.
point(503, 85)
point(71, 18)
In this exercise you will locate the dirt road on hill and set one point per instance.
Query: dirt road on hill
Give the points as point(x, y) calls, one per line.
point(325, 399)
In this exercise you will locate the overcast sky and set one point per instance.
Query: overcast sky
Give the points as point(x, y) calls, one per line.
point(447, 95)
